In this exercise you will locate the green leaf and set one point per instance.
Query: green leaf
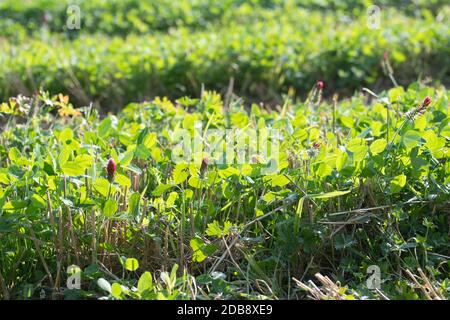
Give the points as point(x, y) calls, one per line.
point(38, 201)
point(228, 172)
point(279, 180)
point(110, 207)
point(160, 189)
point(395, 94)
point(397, 183)
point(116, 290)
point(411, 139)
point(101, 185)
point(298, 215)
point(328, 194)
point(131, 264)
point(134, 204)
point(378, 146)
point(269, 196)
point(171, 199)
point(347, 121)
point(200, 250)
point(122, 180)
point(358, 147)
point(145, 282)
point(63, 156)
point(142, 152)
point(78, 166)
point(15, 205)
point(104, 128)
point(72, 169)
point(214, 229)
point(434, 143)
point(4, 178)
point(125, 158)
point(195, 182)
point(180, 173)
point(150, 140)
point(14, 155)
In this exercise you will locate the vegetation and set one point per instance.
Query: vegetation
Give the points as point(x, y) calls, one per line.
point(366, 186)
point(98, 181)
point(267, 51)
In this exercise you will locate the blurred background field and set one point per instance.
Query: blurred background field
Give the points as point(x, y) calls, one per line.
point(134, 50)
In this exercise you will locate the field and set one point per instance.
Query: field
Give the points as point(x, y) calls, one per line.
point(202, 149)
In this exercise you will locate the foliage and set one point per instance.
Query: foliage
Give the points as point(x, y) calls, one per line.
point(267, 49)
point(362, 182)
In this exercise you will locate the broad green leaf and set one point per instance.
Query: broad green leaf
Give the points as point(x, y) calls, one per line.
point(110, 207)
point(323, 170)
point(378, 146)
point(65, 135)
point(15, 205)
point(397, 184)
point(200, 250)
point(171, 199)
point(214, 230)
point(78, 166)
point(434, 143)
point(145, 282)
point(102, 185)
point(279, 181)
point(180, 173)
point(72, 169)
point(395, 94)
point(160, 189)
point(134, 204)
point(327, 195)
point(14, 155)
point(228, 172)
point(421, 122)
point(347, 121)
point(239, 119)
point(411, 139)
point(131, 264)
point(355, 143)
point(358, 147)
point(116, 290)
point(38, 201)
point(126, 158)
point(64, 156)
point(195, 182)
point(150, 140)
point(4, 177)
point(104, 128)
point(376, 128)
point(142, 152)
point(122, 180)
point(269, 196)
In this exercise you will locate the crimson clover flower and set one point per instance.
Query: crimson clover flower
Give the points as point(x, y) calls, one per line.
point(111, 169)
point(320, 85)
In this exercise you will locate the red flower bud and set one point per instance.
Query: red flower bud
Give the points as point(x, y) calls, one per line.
point(111, 169)
point(426, 101)
point(385, 55)
point(316, 145)
point(320, 85)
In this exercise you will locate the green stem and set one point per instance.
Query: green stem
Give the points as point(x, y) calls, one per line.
point(109, 191)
